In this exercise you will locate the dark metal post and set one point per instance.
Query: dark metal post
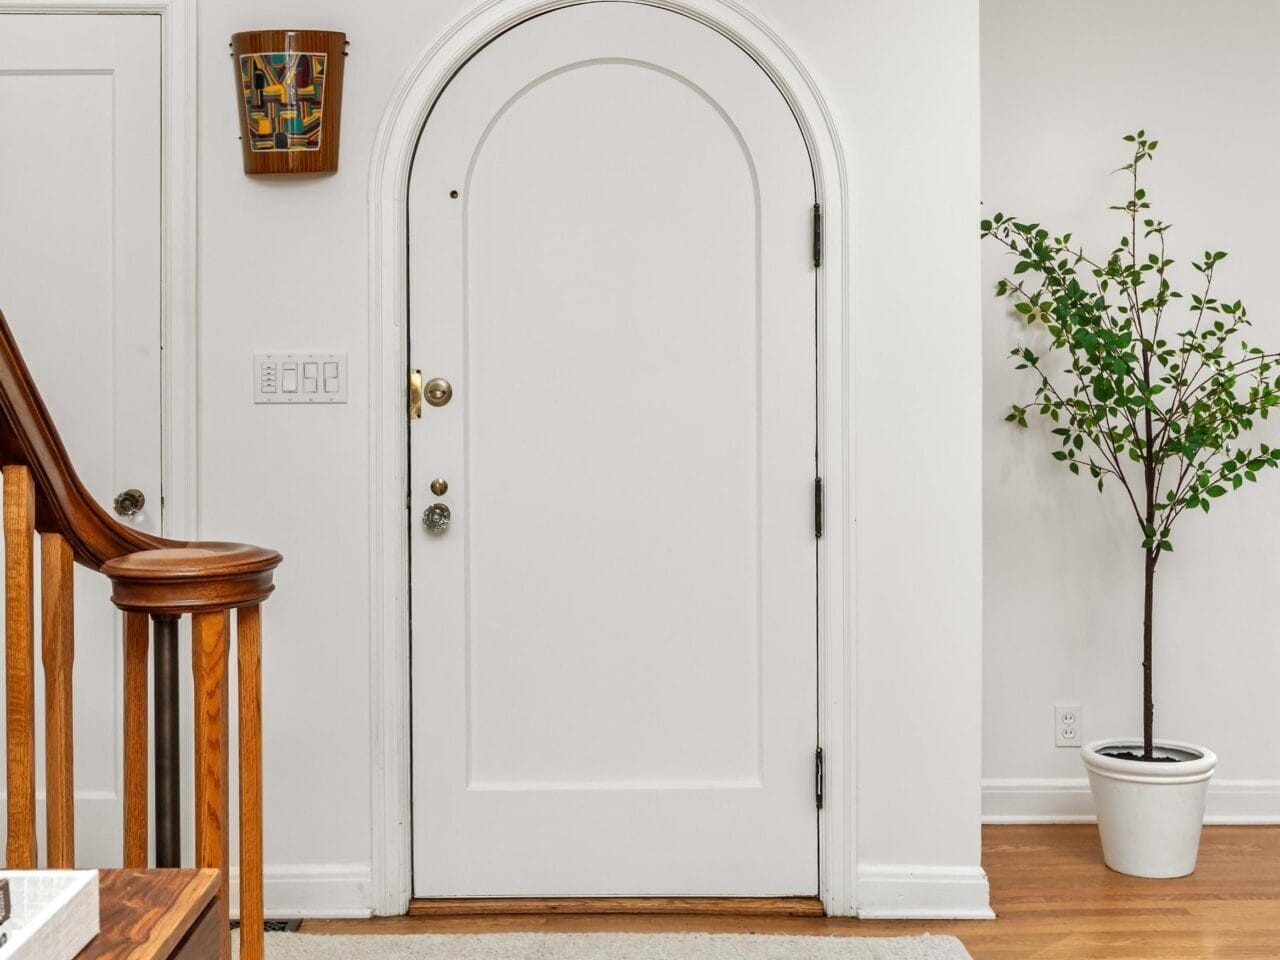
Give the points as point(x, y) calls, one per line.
point(168, 806)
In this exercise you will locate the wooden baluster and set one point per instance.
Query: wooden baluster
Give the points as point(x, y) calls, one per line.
point(57, 652)
point(209, 665)
point(20, 669)
point(249, 668)
point(136, 638)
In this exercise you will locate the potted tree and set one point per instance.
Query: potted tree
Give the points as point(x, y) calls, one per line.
point(1150, 392)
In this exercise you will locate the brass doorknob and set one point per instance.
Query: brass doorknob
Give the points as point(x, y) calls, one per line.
point(436, 518)
point(129, 502)
point(439, 391)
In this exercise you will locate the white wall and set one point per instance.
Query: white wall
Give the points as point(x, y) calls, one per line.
point(1061, 84)
point(901, 79)
point(284, 264)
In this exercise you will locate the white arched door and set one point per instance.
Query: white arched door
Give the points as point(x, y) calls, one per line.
point(614, 639)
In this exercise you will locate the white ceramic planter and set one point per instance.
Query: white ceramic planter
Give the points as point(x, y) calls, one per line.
point(1149, 814)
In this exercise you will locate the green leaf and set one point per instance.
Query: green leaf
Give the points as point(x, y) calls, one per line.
point(1181, 399)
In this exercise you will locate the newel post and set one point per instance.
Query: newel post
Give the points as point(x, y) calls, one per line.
point(208, 581)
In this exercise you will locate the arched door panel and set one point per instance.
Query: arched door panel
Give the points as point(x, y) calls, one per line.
point(614, 640)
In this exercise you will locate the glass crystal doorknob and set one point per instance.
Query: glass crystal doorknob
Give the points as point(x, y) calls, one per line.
point(129, 502)
point(436, 518)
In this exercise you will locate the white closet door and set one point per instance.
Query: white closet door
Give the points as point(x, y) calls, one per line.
point(80, 286)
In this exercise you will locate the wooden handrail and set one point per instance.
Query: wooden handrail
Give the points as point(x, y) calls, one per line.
point(63, 505)
point(152, 578)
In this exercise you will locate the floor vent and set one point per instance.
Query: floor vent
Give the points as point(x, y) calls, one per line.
point(274, 926)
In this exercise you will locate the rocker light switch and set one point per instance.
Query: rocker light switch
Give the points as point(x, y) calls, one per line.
point(297, 377)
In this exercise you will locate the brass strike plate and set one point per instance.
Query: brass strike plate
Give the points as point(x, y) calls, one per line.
point(415, 394)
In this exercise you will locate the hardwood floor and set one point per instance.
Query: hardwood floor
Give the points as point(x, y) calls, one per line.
point(1054, 899)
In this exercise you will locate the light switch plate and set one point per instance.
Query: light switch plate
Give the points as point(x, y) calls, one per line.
point(295, 376)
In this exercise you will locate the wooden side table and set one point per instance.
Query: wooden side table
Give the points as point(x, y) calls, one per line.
point(157, 915)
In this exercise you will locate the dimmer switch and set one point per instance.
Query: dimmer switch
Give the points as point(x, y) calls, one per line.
point(298, 377)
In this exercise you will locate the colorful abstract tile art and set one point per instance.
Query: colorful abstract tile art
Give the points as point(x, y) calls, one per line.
point(283, 99)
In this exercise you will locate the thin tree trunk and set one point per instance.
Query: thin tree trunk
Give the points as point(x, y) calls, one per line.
point(1153, 551)
point(1148, 700)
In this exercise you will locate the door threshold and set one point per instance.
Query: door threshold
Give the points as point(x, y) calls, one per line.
point(579, 906)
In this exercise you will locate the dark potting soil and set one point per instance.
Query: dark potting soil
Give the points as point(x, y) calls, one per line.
point(1130, 755)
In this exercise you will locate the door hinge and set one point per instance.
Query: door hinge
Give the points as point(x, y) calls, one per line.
point(818, 777)
point(817, 507)
point(817, 234)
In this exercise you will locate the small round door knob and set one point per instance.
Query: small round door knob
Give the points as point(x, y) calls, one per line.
point(436, 518)
point(439, 391)
point(129, 502)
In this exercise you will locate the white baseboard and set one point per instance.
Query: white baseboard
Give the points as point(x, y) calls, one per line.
point(1045, 800)
point(1243, 802)
point(312, 890)
point(290, 890)
point(922, 892)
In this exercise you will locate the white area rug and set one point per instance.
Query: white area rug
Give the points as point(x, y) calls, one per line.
point(608, 946)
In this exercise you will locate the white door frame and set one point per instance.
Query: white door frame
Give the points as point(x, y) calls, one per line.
point(179, 354)
point(388, 468)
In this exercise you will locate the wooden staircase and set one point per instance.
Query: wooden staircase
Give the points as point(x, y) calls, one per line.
point(154, 581)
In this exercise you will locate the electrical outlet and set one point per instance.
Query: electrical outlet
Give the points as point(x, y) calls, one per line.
point(1066, 724)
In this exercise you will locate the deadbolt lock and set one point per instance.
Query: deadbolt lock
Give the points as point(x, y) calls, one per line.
point(439, 486)
point(439, 391)
point(436, 518)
